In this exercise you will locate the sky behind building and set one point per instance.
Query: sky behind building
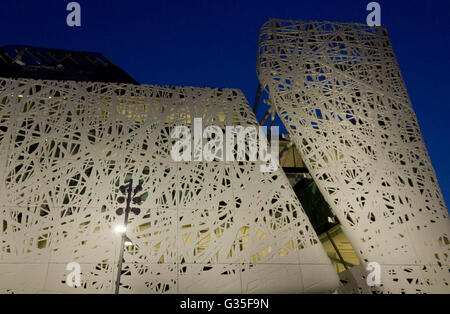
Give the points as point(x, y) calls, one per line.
point(213, 43)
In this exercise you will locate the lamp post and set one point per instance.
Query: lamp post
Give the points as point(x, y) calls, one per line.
point(131, 198)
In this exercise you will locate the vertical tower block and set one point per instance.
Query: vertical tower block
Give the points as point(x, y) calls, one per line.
point(338, 89)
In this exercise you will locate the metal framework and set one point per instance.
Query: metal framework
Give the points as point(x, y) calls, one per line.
point(338, 89)
point(217, 227)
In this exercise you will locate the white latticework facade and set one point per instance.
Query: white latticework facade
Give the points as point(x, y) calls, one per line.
point(338, 89)
point(205, 227)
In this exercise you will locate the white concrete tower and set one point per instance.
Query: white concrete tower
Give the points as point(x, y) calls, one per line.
point(338, 89)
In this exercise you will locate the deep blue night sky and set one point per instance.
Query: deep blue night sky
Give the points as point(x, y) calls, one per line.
point(213, 43)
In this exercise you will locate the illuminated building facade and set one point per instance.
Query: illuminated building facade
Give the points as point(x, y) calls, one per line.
point(204, 227)
point(338, 90)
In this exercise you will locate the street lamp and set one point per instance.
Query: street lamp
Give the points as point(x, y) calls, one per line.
point(120, 229)
point(136, 200)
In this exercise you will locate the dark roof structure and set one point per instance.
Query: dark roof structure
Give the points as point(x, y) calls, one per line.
point(18, 61)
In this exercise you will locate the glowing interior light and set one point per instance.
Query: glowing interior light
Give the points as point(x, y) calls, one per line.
point(128, 243)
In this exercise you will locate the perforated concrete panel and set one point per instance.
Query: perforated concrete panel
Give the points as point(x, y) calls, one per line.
point(205, 227)
point(339, 91)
